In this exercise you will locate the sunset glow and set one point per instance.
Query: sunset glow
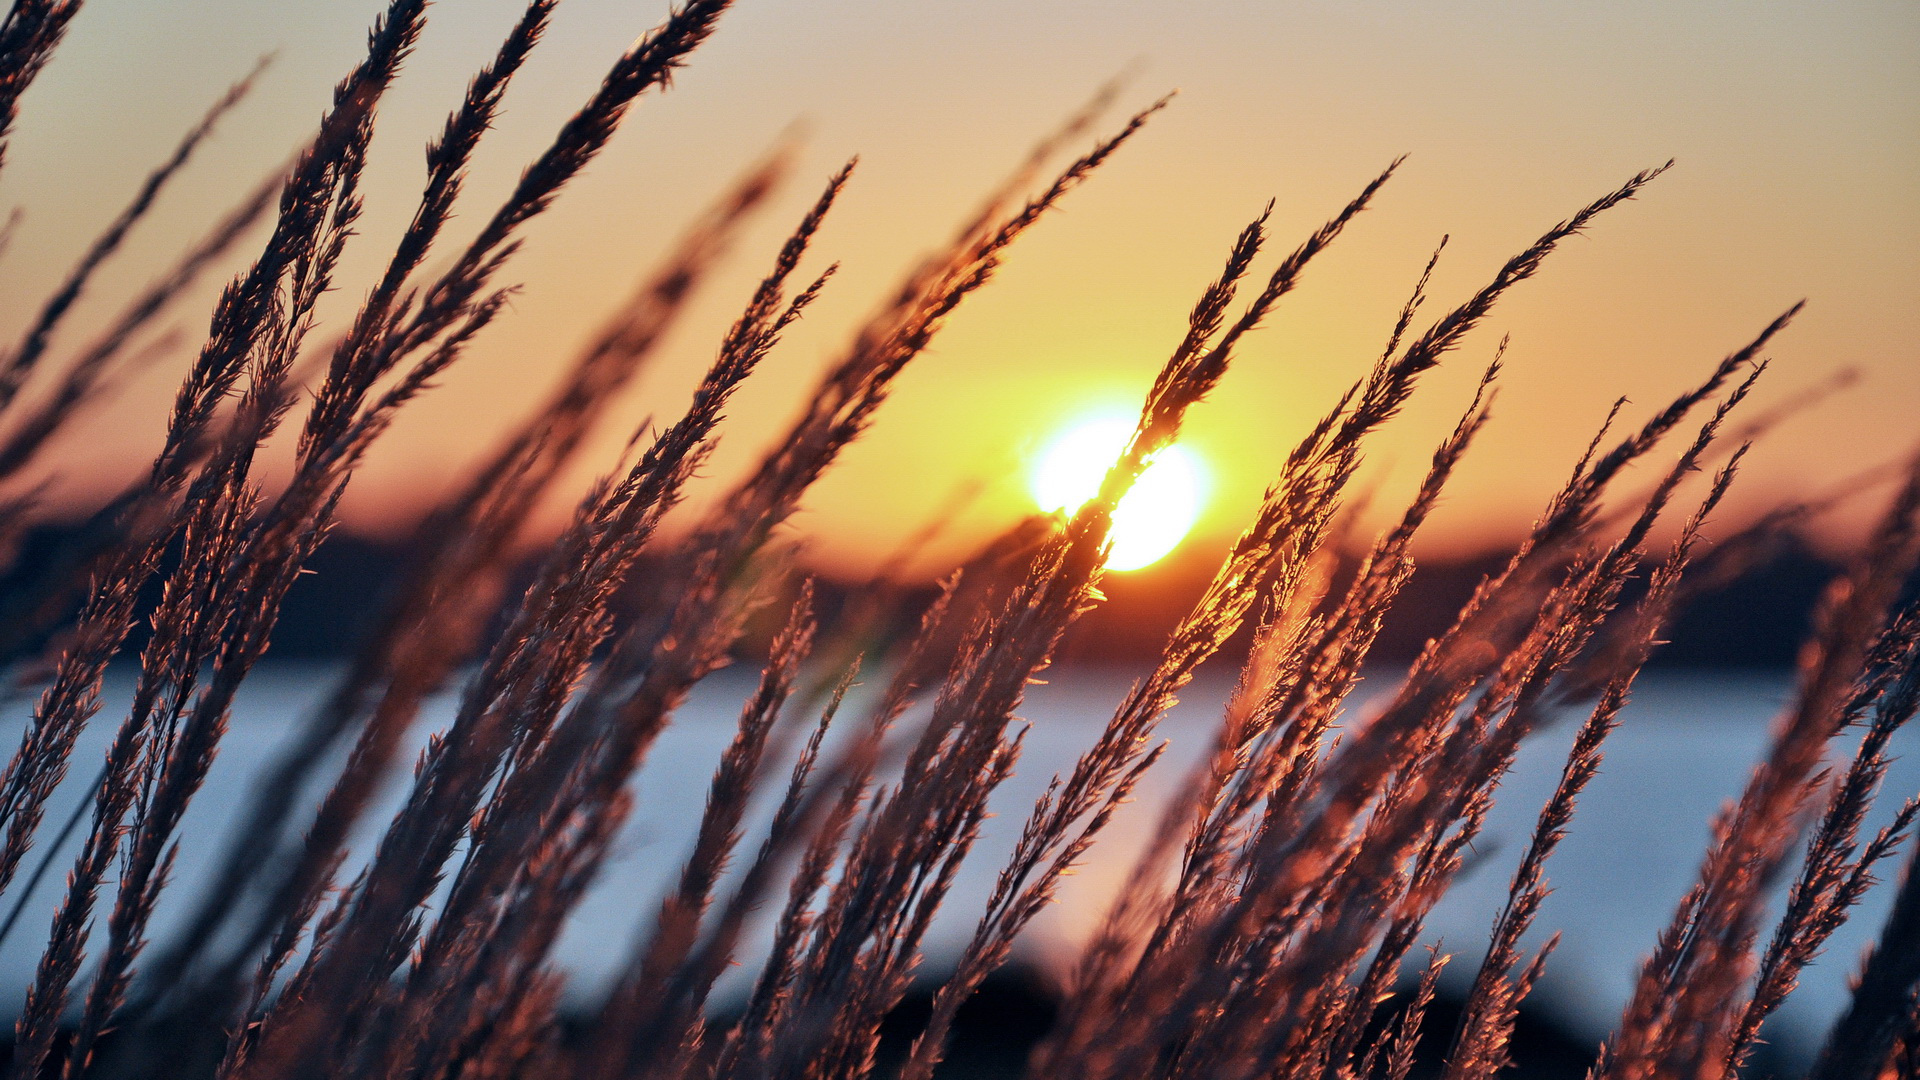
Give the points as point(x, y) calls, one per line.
point(1798, 176)
point(1155, 515)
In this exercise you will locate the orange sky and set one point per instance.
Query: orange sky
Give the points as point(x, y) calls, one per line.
point(1796, 126)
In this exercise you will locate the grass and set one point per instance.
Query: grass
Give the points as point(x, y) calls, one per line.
point(1267, 930)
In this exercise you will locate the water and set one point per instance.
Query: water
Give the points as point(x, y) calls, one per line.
point(1685, 747)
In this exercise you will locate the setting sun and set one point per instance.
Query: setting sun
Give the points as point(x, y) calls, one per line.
point(1153, 518)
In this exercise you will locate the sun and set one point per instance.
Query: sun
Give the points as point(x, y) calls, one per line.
point(1155, 515)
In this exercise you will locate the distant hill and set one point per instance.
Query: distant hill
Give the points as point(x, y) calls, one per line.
point(1757, 619)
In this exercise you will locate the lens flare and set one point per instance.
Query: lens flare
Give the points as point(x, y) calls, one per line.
point(1153, 517)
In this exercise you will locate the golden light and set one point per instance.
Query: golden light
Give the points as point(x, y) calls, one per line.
point(1155, 515)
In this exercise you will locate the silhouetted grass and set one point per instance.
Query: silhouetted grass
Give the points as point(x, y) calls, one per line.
point(1264, 928)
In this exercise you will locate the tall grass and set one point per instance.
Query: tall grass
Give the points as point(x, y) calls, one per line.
point(1264, 931)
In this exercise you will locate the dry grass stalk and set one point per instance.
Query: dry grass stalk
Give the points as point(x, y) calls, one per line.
point(1104, 777)
point(460, 559)
point(1682, 1020)
point(550, 770)
point(567, 609)
point(1176, 1003)
point(639, 1012)
point(702, 624)
point(1487, 1020)
point(244, 312)
point(28, 35)
point(1835, 872)
point(1875, 1035)
point(107, 362)
point(20, 361)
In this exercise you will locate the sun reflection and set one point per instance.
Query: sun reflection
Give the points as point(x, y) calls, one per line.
point(1154, 516)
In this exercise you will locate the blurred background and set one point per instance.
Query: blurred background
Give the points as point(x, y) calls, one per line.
point(1796, 129)
point(1798, 176)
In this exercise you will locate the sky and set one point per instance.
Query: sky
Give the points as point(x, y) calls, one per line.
point(1795, 127)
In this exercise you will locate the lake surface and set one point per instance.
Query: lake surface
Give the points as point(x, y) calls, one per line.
point(1684, 749)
